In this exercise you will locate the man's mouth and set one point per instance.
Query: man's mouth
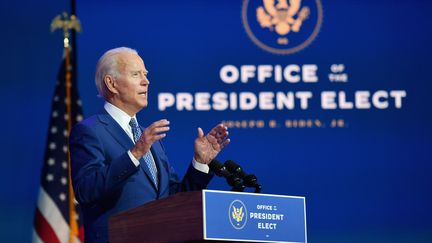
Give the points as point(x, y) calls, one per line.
point(143, 93)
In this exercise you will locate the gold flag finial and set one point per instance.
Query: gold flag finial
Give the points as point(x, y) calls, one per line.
point(66, 23)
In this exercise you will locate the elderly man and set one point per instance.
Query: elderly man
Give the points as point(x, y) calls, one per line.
point(118, 165)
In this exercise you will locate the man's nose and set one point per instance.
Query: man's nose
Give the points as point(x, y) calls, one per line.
point(145, 81)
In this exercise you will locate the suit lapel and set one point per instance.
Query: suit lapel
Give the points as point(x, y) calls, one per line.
point(124, 140)
point(116, 131)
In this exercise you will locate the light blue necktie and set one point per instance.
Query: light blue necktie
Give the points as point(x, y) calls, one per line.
point(148, 157)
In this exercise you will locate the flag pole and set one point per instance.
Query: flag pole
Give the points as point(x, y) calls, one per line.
point(69, 24)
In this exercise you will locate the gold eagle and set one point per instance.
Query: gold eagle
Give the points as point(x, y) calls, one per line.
point(65, 23)
point(281, 16)
point(237, 214)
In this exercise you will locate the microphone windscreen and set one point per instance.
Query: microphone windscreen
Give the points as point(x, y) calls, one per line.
point(232, 166)
point(217, 167)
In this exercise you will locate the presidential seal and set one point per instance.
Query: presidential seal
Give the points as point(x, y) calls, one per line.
point(279, 27)
point(237, 214)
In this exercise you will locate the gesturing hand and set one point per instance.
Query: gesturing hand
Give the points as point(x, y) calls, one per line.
point(206, 148)
point(150, 135)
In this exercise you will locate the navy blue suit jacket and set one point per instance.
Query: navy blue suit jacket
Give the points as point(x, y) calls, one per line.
point(106, 181)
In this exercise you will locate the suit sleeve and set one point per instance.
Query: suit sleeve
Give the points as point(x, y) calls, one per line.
point(194, 180)
point(93, 176)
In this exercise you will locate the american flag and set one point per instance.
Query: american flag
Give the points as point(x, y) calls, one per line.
point(57, 217)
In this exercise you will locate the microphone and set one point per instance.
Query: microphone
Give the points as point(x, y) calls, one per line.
point(233, 180)
point(248, 180)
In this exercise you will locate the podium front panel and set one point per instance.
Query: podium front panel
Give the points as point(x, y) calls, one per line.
point(235, 216)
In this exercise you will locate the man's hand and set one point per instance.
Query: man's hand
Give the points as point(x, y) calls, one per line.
point(150, 135)
point(206, 148)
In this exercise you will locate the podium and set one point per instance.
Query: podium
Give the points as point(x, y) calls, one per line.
point(219, 216)
point(177, 218)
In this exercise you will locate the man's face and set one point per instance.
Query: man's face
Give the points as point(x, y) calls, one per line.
point(132, 83)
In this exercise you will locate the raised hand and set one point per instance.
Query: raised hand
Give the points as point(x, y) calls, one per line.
point(150, 135)
point(206, 148)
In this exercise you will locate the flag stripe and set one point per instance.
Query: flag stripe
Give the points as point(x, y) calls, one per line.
point(81, 233)
point(52, 215)
point(55, 204)
point(76, 240)
point(36, 238)
point(44, 232)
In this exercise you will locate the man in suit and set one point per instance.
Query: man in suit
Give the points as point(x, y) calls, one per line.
point(118, 165)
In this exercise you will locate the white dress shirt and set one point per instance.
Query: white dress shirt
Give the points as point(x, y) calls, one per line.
point(123, 119)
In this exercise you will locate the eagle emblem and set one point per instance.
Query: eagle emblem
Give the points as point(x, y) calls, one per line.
point(282, 17)
point(65, 23)
point(237, 214)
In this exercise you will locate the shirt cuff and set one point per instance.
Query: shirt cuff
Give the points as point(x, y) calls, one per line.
point(134, 160)
point(201, 167)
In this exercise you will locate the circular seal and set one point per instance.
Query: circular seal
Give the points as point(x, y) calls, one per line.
point(281, 26)
point(237, 213)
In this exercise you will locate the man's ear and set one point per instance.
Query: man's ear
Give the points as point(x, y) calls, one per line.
point(110, 84)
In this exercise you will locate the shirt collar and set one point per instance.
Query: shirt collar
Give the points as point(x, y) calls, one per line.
point(121, 117)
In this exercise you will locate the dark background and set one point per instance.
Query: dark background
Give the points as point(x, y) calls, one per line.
point(367, 182)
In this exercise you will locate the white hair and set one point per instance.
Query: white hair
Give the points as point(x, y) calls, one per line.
point(108, 65)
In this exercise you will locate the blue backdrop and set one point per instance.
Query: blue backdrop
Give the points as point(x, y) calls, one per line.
point(365, 180)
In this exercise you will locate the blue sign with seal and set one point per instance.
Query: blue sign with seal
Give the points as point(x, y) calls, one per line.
point(238, 216)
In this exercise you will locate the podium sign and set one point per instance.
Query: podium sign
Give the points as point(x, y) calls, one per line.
point(238, 216)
